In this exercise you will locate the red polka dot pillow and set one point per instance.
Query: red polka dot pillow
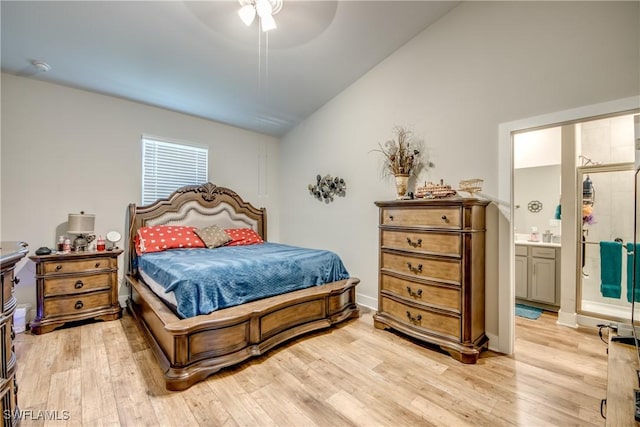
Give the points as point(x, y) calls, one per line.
point(162, 237)
point(243, 236)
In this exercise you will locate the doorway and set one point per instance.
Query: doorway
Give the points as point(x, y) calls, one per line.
point(568, 313)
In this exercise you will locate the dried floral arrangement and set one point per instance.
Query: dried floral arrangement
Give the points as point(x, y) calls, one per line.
point(403, 154)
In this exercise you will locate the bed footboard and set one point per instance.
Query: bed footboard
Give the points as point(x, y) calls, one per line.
point(189, 350)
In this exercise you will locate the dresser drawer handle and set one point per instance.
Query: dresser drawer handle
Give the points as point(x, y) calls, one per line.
point(444, 218)
point(58, 267)
point(415, 270)
point(97, 264)
point(390, 217)
point(415, 294)
point(79, 305)
point(416, 244)
point(415, 320)
point(15, 280)
point(78, 284)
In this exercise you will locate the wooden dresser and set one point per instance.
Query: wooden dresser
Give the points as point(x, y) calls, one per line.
point(10, 254)
point(432, 272)
point(75, 286)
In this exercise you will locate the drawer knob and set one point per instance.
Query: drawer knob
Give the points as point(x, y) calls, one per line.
point(390, 217)
point(78, 284)
point(79, 305)
point(415, 270)
point(15, 280)
point(415, 320)
point(414, 294)
point(97, 264)
point(416, 244)
point(444, 218)
point(58, 267)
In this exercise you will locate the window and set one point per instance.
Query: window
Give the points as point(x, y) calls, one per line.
point(167, 166)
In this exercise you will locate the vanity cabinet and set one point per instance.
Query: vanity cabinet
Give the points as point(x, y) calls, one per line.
point(537, 270)
point(521, 271)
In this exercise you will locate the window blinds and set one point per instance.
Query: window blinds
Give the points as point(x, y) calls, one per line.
point(167, 166)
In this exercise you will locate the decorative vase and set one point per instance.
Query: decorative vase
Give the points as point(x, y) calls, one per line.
point(401, 185)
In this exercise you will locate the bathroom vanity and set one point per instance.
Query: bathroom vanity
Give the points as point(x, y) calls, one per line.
point(537, 274)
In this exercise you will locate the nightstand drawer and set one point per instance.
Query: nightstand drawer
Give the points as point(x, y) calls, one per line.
point(449, 218)
point(427, 243)
point(432, 269)
point(429, 320)
point(76, 285)
point(76, 304)
point(79, 266)
point(447, 298)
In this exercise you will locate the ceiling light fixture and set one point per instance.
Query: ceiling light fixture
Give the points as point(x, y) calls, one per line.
point(41, 66)
point(265, 9)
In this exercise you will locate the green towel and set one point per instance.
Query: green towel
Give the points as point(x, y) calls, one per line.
point(630, 260)
point(611, 269)
point(558, 213)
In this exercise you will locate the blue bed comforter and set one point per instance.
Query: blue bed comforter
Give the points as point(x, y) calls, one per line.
point(205, 280)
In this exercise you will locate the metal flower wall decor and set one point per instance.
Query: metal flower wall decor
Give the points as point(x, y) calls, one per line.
point(327, 187)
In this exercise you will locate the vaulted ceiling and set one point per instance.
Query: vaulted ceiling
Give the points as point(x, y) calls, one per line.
point(199, 58)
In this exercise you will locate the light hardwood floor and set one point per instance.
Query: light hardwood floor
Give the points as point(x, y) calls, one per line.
point(354, 375)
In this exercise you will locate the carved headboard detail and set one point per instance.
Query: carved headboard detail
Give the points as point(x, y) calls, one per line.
point(198, 206)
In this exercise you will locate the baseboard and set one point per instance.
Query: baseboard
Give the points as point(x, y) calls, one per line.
point(367, 301)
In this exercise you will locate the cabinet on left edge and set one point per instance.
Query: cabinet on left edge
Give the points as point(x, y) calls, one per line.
point(75, 286)
point(10, 254)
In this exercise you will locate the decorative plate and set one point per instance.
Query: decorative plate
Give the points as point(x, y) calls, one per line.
point(534, 206)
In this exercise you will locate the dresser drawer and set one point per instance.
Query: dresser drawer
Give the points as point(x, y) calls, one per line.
point(433, 269)
point(76, 304)
point(449, 218)
point(448, 298)
point(428, 320)
point(7, 289)
point(79, 266)
point(76, 285)
point(427, 243)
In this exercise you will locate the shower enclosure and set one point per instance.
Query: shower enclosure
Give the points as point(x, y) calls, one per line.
point(605, 216)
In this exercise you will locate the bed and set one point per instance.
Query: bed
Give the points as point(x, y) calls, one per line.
point(192, 348)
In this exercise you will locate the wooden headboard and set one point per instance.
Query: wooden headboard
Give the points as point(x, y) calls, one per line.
point(198, 206)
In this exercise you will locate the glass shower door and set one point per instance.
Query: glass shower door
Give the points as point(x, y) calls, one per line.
point(605, 223)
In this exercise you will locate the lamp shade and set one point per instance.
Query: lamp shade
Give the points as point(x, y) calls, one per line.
point(268, 23)
point(247, 13)
point(81, 223)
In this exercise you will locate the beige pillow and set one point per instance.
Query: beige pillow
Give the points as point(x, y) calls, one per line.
point(213, 236)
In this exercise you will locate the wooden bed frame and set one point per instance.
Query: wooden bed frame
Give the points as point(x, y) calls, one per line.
point(189, 350)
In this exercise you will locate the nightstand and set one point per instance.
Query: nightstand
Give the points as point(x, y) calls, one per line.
point(75, 286)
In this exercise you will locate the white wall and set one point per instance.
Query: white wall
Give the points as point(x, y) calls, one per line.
point(481, 65)
point(66, 150)
point(537, 148)
point(542, 184)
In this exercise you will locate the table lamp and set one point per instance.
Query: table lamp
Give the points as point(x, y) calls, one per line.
point(81, 224)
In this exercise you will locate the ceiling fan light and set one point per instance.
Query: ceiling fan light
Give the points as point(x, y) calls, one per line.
point(264, 8)
point(268, 23)
point(247, 13)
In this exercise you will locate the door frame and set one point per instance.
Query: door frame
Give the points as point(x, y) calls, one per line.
point(506, 247)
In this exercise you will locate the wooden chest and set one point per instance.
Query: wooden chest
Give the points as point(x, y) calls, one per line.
point(10, 254)
point(75, 286)
point(431, 272)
